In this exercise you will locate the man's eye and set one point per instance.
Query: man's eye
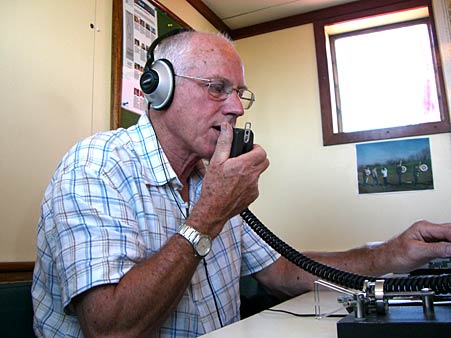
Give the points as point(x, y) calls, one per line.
point(217, 88)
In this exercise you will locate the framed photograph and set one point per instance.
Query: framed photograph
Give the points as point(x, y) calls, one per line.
point(394, 166)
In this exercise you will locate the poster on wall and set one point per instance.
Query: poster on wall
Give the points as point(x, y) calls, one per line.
point(140, 29)
point(394, 166)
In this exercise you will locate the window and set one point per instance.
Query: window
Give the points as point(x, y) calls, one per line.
point(380, 74)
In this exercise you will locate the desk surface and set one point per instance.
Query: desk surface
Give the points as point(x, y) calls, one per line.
point(274, 324)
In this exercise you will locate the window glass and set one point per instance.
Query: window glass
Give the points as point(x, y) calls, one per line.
point(385, 79)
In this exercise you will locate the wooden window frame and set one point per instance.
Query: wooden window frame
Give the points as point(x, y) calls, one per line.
point(332, 138)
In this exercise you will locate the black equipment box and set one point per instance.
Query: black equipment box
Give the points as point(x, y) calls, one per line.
point(407, 321)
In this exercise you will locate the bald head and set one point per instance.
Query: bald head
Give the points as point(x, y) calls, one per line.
point(196, 50)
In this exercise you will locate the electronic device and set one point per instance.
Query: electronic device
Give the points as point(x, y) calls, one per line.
point(158, 80)
point(401, 314)
point(201, 243)
point(243, 140)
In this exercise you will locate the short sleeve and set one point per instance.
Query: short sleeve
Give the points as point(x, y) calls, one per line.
point(95, 234)
point(257, 254)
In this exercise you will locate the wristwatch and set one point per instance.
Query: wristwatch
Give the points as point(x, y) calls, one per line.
point(201, 243)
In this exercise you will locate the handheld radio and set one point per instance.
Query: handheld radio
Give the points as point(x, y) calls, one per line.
point(243, 140)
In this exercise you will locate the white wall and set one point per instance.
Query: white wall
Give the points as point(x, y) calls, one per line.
point(54, 90)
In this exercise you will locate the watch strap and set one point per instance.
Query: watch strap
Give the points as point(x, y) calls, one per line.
point(193, 237)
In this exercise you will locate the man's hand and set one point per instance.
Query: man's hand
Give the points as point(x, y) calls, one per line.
point(420, 243)
point(230, 184)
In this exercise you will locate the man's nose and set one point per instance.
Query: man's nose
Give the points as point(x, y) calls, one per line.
point(234, 103)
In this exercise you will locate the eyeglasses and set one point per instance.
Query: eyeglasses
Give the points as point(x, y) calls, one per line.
point(220, 89)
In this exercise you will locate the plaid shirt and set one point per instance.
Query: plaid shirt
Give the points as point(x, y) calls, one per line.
point(109, 206)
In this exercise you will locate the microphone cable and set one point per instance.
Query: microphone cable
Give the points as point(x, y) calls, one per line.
point(440, 284)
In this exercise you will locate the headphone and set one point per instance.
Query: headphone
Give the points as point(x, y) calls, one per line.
point(157, 80)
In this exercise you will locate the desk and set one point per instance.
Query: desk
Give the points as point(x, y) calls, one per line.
point(274, 324)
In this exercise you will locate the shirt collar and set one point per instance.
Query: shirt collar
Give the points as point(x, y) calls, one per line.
point(155, 165)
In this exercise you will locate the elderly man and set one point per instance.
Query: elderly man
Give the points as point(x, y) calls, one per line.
point(138, 238)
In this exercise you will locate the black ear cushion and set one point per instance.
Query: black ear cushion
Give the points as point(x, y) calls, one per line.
point(157, 84)
point(148, 81)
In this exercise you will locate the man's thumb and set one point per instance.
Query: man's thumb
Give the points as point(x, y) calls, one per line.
point(222, 151)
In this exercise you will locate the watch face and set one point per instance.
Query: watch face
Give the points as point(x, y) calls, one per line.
point(203, 246)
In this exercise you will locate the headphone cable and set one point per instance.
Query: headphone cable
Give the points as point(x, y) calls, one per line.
point(213, 293)
point(171, 188)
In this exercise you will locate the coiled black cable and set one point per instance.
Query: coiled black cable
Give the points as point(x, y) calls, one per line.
point(440, 284)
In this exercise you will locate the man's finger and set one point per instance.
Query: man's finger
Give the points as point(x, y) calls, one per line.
point(222, 151)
